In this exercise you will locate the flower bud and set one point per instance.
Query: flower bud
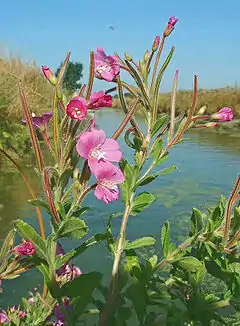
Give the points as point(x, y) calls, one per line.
point(49, 75)
point(146, 56)
point(170, 26)
point(76, 174)
point(156, 44)
point(202, 110)
point(127, 57)
point(210, 124)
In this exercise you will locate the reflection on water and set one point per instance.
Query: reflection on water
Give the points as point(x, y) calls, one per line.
point(208, 164)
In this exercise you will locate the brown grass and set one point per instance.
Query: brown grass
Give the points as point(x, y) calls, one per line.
point(214, 99)
point(37, 88)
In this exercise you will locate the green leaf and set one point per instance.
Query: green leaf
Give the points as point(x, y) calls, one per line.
point(83, 285)
point(153, 260)
point(64, 177)
point(79, 250)
point(28, 233)
point(142, 201)
point(61, 210)
point(5, 134)
point(141, 242)
point(196, 222)
point(132, 261)
point(188, 263)
point(152, 177)
point(130, 173)
point(72, 228)
point(7, 244)
point(165, 238)
point(80, 211)
point(159, 124)
point(39, 203)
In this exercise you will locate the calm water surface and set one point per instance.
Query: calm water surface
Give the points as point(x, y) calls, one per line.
point(208, 164)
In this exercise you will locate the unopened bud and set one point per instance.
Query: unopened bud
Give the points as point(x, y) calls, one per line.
point(49, 75)
point(127, 57)
point(146, 56)
point(170, 26)
point(210, 124)
point(202, 110)
point(76, 174)
point(156, 44)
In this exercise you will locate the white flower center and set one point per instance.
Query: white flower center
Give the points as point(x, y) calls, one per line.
point(103, 68)
point(98, 154)
point(76, 112)
point(109, 184)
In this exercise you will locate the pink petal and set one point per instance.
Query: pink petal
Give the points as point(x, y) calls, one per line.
point(111, 147)
point(108, 171)
point(118, 177)
point(100, 56)
point(90, 140)
point(95, 97)
point(108, 75)
point(105, 194)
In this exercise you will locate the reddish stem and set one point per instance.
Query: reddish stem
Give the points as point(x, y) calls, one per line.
point(201, 117)
point(47, 141)
point(229, 209)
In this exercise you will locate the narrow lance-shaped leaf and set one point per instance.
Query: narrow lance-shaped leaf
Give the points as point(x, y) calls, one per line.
point(157, 84)
point(91, 76)
point(33, 135)
point(166, 238)
point(138, 243)
point(141, 202)
point(73, 228)
point(152, 177)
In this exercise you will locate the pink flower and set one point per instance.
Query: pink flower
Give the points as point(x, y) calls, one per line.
point(170, 26)
point(99, 100)
point(4, 318)
point(108, 177)
point(95, 147)
point(49, 75)
point(42, 121)
point(59, 314)
point(156, 44)
point(106, 67)
point(15, 310)
point(225, 114)
point(77, 108)
point(31, 300)
point(25, 249)
point(172, 21)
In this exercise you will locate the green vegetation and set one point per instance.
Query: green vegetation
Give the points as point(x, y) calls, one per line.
point(214, 99)
point(71, 80)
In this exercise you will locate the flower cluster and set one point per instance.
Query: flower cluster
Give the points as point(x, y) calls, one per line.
point(25, 249)
point(12, 313)
point(68, 271)
point(100, 151)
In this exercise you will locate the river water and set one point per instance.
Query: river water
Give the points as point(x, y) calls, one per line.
point(207, 162)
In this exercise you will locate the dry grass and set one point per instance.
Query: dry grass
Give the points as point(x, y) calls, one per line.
point(214, 99)
point(37, 88)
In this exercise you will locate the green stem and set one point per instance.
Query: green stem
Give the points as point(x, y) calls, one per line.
point(81, 198)
point(117, 257)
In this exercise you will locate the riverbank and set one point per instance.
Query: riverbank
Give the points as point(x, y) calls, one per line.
point(213, 99)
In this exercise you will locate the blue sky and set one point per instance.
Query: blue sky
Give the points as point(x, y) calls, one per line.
point(206, 36)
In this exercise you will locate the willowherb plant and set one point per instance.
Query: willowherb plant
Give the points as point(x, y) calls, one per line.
point(150, 291)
